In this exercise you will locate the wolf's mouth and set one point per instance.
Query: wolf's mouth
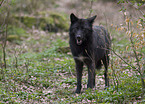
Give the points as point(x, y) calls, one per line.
point(79, 42)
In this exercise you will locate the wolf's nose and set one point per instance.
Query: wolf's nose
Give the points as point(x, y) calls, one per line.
point(78, 37)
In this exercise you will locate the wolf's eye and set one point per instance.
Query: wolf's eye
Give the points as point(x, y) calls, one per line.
point(75, 29)
point(85, 30)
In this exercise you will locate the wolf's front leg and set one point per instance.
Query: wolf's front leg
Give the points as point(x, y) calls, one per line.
point(91, 76)
point(79, 69)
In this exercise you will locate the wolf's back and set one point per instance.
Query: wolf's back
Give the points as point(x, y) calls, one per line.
point(101, 36)
point(101, 43)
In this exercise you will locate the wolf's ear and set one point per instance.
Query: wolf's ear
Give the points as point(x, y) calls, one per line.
point(73, 18)
point(91, 19)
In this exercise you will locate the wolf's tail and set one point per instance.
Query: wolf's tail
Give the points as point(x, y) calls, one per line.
point(98, 64)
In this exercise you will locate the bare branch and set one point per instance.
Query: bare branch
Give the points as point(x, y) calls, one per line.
point(5, 38)
point(123, 59)
point(136, 7)
point(1, 3)
point(119, 57)
point(92, 1)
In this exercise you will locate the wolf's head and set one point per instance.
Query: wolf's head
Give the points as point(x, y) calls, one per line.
point(81, 29)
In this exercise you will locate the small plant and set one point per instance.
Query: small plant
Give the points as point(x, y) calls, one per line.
point(42, 70)
point(136, 33)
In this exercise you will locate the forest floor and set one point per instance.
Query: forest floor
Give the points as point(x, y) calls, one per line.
point(40, 68)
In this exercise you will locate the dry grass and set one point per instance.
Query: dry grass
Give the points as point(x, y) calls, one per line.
point(45, 75)
point(107, 13)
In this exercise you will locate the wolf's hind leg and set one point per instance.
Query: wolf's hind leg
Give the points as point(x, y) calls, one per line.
point(106, 63)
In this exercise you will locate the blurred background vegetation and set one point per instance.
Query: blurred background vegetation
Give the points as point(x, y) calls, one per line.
point(36, 65)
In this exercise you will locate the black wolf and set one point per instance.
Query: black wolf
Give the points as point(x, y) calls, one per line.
point(89, 45)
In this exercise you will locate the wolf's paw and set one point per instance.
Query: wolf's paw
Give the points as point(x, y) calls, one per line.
point(78, 91)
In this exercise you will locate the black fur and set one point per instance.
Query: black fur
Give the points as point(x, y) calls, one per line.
point(89, 45)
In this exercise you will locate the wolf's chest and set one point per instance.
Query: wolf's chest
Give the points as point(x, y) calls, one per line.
point(81, 58)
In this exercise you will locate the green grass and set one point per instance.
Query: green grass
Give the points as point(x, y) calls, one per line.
point(48, 76)
point(40, 68)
